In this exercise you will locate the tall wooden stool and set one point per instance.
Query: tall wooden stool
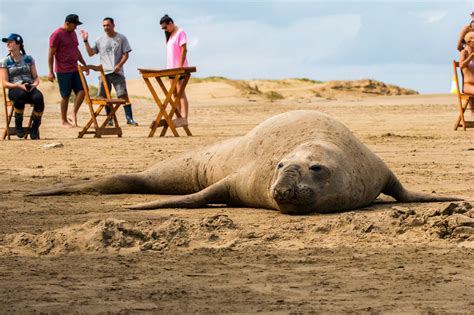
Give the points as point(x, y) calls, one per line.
point(164, 117)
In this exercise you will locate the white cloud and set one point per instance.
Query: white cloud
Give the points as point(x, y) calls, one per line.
point(431, 16)
point(249, 48)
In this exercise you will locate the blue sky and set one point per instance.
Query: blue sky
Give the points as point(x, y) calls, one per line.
point(408, 43)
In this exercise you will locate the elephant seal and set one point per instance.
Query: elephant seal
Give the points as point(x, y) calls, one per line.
point(297, 162)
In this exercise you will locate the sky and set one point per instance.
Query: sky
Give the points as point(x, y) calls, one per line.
point(406, 43)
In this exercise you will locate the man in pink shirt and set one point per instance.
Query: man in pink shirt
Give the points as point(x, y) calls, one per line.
point(64, 54)
point(176, 58)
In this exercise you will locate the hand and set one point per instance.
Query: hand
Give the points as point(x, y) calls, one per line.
point(23, 86)
point(30, 87)
point(117, 69)
point(84, 35)
point(51, 77)
point(87, 71)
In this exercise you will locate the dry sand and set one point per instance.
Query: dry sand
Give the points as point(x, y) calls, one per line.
point(86, 253)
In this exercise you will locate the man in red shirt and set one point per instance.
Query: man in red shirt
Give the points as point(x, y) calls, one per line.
point(64, 54)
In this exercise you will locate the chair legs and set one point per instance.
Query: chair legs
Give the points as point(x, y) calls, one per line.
point(102, 129)
point(16, 117)
point(461, 122)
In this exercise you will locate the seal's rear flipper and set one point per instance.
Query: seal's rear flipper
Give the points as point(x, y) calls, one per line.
point(56, 190)
point(115, 184)
point(395, 189)
point(216, 193)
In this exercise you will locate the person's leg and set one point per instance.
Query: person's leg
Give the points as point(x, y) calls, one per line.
point(120, 87)
point(128, 111)
point(469, 88)
point(18, 97)
point(101, 93)
point(65, 88)
point(36, 98)
point(183, 100)
point(79, 90)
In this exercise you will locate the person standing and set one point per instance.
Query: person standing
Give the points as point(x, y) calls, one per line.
point(64, 54)
point(176, 58)
point(113, 49)
point(19, 75)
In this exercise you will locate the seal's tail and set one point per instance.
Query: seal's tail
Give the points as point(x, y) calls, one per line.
point(395, 189)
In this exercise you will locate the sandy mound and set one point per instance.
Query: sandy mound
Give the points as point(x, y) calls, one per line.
point(452, 223)
point(111, 235)
point(273, 90)
point(366, 87)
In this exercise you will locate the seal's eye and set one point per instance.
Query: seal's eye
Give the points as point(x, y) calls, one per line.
point(315, 168)
point(280, 165)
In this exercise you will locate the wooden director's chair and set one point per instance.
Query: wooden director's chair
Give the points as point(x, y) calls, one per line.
point(100, 129)
point(9, 110)
point(461, 122)
point(164, 117)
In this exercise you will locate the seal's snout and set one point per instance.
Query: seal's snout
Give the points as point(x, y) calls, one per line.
point(285, 185)
point(283, 193)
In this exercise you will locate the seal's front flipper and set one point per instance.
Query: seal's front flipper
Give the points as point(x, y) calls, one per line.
point(216, 193)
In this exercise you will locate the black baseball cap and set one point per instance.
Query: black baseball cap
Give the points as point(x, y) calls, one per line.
point(73, 18)
point(12, 36)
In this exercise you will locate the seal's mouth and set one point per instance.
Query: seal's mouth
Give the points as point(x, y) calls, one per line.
point(294, 209)
point(294, 200)
point(299, 194)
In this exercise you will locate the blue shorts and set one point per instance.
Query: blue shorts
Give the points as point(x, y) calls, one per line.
point(69, 81)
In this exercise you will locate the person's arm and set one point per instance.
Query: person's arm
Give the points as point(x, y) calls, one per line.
point(463, 33)
point(85, 38)
point(182, 58)
point(51, 53)
point(465, 58)
point(81, 60)
point(6, 83)
point(122, 61)
point(34, 74)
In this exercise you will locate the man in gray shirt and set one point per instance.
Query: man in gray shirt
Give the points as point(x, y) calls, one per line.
point(113, 49)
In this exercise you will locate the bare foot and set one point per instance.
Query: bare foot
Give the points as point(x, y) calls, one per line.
point(180, 122)
point(66, 124)
point(72, 121)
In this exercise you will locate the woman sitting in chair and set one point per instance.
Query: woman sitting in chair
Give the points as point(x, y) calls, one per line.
point(18, 74)
point(466, 63)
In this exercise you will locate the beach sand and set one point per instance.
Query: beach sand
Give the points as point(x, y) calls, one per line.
point(86, 253)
